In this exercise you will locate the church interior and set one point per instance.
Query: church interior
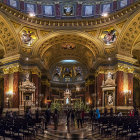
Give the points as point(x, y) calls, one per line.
point(68, 55)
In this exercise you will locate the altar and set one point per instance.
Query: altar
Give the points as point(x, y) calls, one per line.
point(27, 95)
point(67, 102)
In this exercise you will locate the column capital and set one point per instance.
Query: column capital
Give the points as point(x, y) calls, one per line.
point(12, 68)
point(125, 68)
point(46, 82)
point(36, 71)
point(137, 75)
point(100, 70)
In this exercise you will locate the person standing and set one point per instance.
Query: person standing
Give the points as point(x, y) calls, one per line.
point(55, 119)
point(79, 118)
point(72, 116)
point(47, 117)
point(37, 115)
point(83, 116)
point(68, 116)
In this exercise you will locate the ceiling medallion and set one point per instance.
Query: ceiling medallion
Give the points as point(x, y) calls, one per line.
point(68, 46)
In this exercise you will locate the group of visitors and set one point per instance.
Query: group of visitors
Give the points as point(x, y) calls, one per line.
point(76, 117)
point(73, 117)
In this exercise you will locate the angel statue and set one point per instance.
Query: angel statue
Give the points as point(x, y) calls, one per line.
point(109, 37)
point(26, 37)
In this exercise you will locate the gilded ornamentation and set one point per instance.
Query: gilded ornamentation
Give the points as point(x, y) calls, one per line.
point(93, 32)
point(110, 51)
point(16, 25)
point(36, 71)
point(137, 75)
point(130, 35)
point(43, 33)
point(12, 68)
point(68, 46)
point(125, 68)
point(7, 38)
point(26, 50)
point(72, 23)
point(121, 24)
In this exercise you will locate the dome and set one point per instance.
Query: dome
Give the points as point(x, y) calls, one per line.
point(63, 9)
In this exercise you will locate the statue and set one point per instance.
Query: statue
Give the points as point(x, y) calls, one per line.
point(26, 37)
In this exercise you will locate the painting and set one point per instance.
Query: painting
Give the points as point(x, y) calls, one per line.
point(28, 36)
point(109, 36)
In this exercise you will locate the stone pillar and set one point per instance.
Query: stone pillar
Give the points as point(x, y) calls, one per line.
point(100, 79)
point(120, 94)
point(6, 88)
point(36, 82)
point(16, 90)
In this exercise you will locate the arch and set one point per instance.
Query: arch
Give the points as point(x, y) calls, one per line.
point(129, 34)
point(53, 38)
point(8, 36)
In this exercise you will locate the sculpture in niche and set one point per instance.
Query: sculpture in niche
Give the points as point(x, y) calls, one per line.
point(110, 99)
point(68, 10)
point(109, 36)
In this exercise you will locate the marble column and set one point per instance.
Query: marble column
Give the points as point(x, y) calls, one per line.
point(130, 88)
point(120, 94)
point(36, 82)
point(100, 79)
point(16, 90)
point(6, 88)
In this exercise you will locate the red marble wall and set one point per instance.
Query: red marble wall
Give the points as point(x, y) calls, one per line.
point(22, 5)
point(100, 79)
point(120, 94)
point(130, 86)
point(6, 88)
point(39, 9)
point(78, 10)
point(97, 10)
point(16, 90)
point(57, 9)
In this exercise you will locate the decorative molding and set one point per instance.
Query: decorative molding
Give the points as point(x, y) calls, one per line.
point(10, 59)
point(126, 58)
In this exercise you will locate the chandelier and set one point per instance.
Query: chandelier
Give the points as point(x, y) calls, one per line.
point(27, 86)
